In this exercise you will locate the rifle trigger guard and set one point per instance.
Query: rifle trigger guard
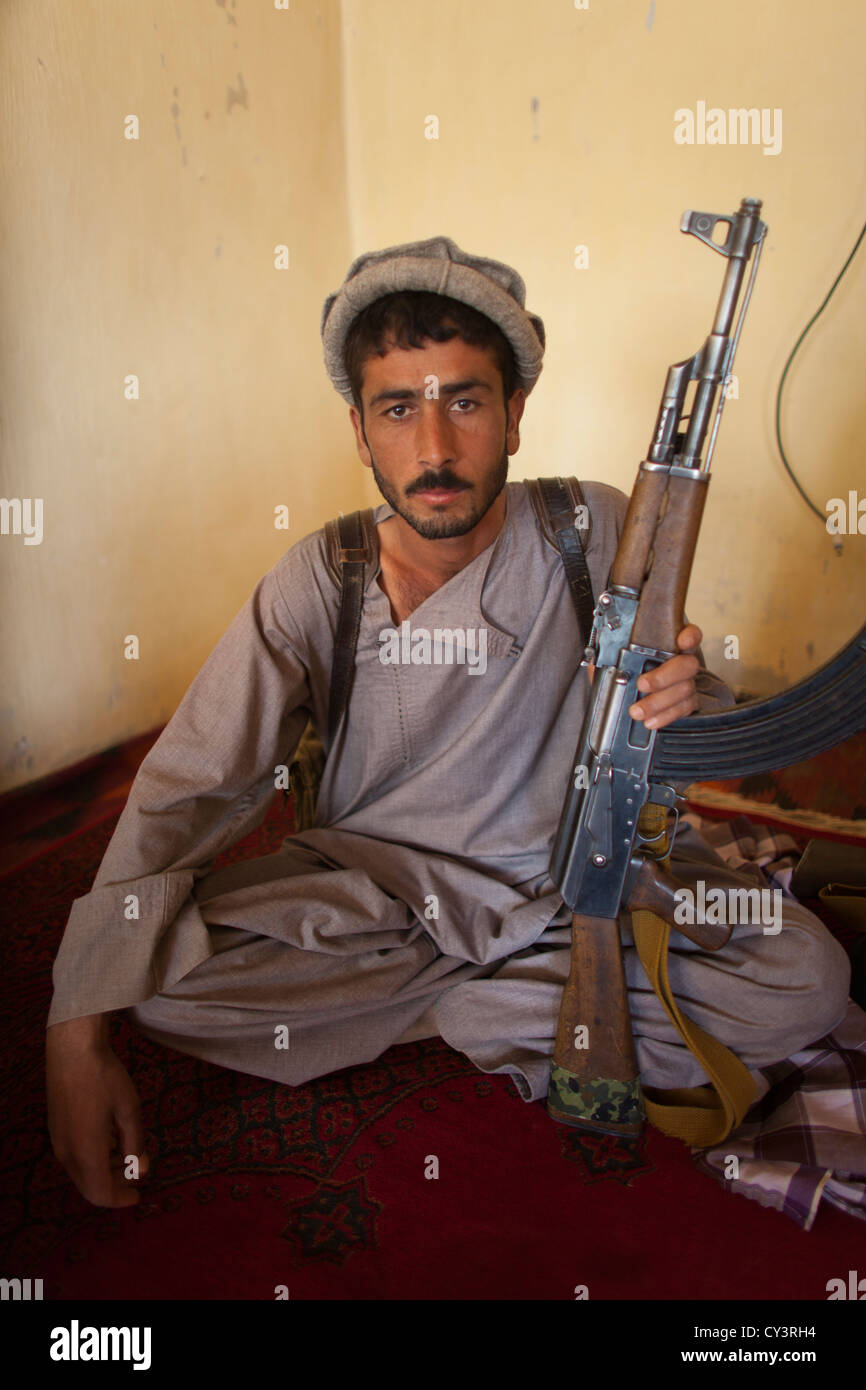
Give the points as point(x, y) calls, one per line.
point(667, 836)
point(656, 846)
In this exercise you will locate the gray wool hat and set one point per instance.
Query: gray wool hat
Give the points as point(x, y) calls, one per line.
point(438, 265)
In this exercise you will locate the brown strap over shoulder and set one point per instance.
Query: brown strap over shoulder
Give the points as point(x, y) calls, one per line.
point(369, 543)
point(352, 546)
point(566, 525)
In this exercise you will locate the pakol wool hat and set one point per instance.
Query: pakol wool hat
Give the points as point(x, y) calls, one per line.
point(440, 266)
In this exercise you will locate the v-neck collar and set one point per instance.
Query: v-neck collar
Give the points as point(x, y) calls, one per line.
point(385, 510)
point(475, 572)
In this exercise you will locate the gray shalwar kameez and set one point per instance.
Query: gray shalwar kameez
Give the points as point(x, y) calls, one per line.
point(420, 903)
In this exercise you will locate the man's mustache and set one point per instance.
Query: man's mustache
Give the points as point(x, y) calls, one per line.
point(446, 481)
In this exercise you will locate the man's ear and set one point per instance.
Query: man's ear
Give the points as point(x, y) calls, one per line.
point(514, 410)
point(357, 425)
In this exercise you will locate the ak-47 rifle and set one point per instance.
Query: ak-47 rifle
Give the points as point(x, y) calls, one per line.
point(605, 855)
point(601, 857)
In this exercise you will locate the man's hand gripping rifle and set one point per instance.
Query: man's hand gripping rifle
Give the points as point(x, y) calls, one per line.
point(612, 833)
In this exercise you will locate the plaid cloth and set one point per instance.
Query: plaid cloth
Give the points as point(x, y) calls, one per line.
point(804, 1138)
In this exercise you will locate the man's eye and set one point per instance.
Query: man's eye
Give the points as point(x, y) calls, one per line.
point(463, 401)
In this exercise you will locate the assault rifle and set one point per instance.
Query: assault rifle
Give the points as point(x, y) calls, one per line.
point(609, 844)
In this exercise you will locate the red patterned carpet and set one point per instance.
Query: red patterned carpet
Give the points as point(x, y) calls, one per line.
point(322, 1188)
point(824, 794)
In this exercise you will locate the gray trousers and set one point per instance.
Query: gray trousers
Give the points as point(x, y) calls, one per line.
point(286, 996)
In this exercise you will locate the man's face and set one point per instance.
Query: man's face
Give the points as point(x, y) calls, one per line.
point(437, 434)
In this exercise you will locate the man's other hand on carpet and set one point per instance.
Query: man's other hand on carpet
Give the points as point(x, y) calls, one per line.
point(94, 1114)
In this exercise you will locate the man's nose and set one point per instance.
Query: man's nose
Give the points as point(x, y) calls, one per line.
point(434, 437)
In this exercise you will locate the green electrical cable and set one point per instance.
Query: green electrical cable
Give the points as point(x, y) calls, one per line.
point(806, 499)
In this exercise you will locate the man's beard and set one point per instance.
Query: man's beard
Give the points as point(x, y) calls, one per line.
point(442, 527)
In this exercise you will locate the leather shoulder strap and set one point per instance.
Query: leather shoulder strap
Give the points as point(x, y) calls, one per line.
point(540, 506)
point(369, 542)
point(558, 503)
point(352, 546)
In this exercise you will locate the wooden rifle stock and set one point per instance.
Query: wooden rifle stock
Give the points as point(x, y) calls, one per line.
point(594, 1077)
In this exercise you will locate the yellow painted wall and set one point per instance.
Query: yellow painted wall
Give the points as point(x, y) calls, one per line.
point(309, 127)
point(156, 257)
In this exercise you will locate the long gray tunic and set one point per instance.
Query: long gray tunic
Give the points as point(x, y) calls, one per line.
point(421, 901)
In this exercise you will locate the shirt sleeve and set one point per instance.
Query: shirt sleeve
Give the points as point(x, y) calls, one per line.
point(206, 782)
